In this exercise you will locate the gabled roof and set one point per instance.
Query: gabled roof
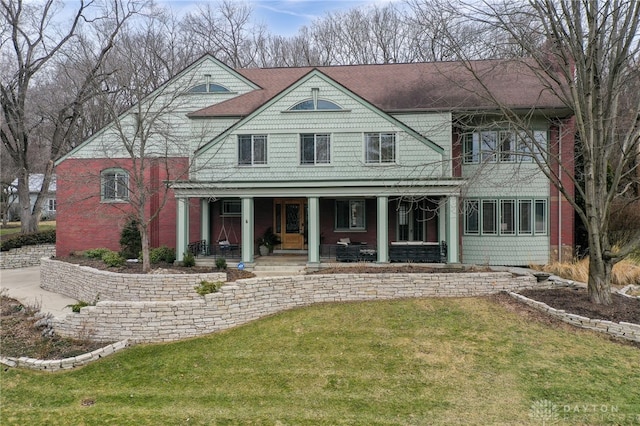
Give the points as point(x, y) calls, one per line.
point(408, 87)
point(194, 64)
point(35, 183)
point(311, 72)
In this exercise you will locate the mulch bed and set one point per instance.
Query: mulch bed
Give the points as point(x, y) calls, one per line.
point(233, 274)
point(576, 301)
point(21, 336)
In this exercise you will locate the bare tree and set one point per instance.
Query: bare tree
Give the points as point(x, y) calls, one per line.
point(36, 39)
point(227, 31)
point(151, 140)
point(589, 59)
point(443, 31)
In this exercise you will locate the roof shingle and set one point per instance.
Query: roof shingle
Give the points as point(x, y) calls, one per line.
point(407, 87)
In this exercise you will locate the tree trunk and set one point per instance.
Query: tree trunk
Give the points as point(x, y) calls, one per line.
point(28, 218)
point(144, 236)
point(599, 286)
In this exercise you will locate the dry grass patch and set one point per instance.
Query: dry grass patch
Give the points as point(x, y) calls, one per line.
point(624, 273)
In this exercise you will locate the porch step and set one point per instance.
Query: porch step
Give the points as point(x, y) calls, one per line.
point(207, 262)
point(267, 266)
point(279, 265)
point(277, 273)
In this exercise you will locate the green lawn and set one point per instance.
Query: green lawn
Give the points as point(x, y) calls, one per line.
point(14, 227)
point(414, 362)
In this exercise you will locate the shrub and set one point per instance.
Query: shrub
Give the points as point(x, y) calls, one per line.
point(207, 287)
point(221, 263)
point(77, 306)
point(96, 253)
point(113, 259)
point(188, 260)
point(20, 240)
point(81, 304)
point(130, 240)
point(162, 254)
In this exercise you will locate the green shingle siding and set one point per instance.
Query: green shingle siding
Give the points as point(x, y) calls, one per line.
point(505, 250)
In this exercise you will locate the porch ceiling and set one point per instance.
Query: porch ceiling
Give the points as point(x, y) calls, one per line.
point(426, 187)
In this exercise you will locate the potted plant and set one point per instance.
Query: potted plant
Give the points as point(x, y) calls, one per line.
point(267, 242)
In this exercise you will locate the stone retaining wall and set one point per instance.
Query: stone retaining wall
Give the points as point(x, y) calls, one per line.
point(89, 284)
point(23, 257)
point(66, 363)
point(623, 330)
point(246, 300)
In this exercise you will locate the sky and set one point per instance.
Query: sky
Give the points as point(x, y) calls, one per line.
point(285, 17)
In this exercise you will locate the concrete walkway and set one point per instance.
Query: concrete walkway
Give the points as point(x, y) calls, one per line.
point(23, 284)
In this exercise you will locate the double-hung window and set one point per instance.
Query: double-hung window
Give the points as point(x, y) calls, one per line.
point(380, 148)
point(471, 148)
point(471, 217)
point(489, 145)
point(505, 217)
point(350, 215)
point(489, 215)
point(505, 146)
point(524, 217)
point(52, 205)
point(115, 185)
point(252, 149)
point(315, 148)
point(540, 217)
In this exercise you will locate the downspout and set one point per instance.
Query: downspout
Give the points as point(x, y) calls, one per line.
point(559, 193)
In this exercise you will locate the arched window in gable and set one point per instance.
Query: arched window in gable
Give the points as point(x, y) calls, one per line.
point(209, 88)
point(315, 105)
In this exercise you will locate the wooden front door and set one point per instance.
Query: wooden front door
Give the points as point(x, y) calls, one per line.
point(289, 219)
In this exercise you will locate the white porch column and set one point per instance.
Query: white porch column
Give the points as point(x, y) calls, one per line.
point(313, 230)
point(205, 224)
point(383, 229)
point(182, 228)
point(247, 231)
point(452, 230)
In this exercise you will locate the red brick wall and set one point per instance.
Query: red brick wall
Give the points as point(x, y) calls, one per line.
point(84, 222)
point(561, 213)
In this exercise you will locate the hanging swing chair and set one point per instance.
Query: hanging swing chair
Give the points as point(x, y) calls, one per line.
point(225, 245)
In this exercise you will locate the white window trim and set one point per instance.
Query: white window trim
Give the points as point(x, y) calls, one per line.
point(396, 150)
point(315, 162)
point(473, 140)
point(117, 198)
point(546, 216)
point(514, 216)
point(532, 202)
point(477, 211)
point(253, 161)
point(496, 205)
point(520, 150)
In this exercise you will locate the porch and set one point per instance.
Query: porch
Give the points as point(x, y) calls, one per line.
point(415, 228)
point(402, 251)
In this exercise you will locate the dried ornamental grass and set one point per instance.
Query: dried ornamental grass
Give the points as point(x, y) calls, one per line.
point(624, 272)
